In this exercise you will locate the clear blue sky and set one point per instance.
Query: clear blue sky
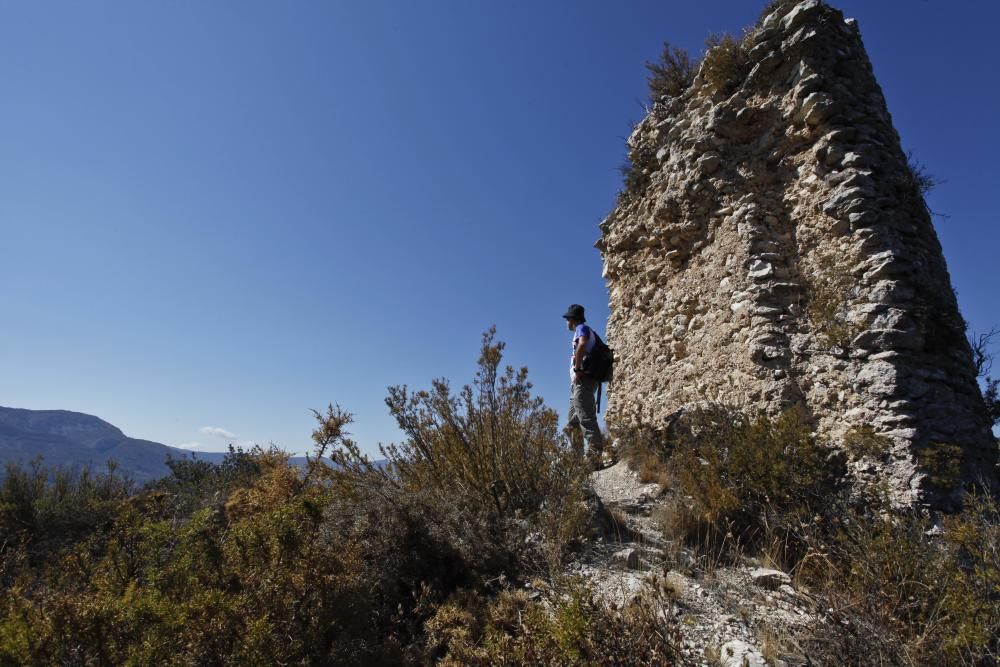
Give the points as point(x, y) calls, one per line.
point(223, 214)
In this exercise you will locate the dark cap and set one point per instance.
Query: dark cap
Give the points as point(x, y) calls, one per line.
point(575, 312)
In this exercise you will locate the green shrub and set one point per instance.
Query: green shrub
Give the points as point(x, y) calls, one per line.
point(829, 291)
point(256, 561)
point(194, 483)
point(568, 626)
point(943, 465)
point(748, 476)
point(725, 65)
point(45, 507)
point(865, 441)
point(483, 464)
point(991, 396)
point(671, 75)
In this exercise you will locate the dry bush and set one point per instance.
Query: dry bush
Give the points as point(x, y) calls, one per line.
point(983, 359)
point(672, 74)
point(829, 291)
point(260, 562)
point(908, 593)
point(486, 467)
point(568, 626)
point(645, 451)
point(775, 5)
point(750, 481)
point(725, 65)
point(865, 441)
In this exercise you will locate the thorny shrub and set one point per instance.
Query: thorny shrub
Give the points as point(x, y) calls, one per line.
point(672, 74)
point(726, 64)
point(256, 561)
point(487, 465)
point(907, 591)
point(830, 290)
point(44, 507)
point(903, 587)
point(749, 482)
point(566, 626)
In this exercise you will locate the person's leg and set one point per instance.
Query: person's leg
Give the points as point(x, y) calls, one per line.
point(573, 423)
point(585, 409)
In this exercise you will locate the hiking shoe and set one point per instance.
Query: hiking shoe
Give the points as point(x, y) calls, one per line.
point(602, 460)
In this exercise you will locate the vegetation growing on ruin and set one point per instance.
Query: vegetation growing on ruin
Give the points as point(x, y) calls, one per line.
point(942, 462)
point(725, 64)
point(773, 6)
point(418, 558)
point(672, 74)
point(906, 588)
point(982, 358)
point(865, 441)
point(830, 289)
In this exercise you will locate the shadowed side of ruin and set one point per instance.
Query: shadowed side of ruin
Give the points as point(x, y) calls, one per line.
point(777, 251)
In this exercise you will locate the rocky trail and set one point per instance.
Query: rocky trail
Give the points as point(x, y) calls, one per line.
point(727, 615)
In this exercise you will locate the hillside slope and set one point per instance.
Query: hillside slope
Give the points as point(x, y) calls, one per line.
point(79, 440)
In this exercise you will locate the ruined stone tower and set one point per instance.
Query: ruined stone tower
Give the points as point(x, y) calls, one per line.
point(773, 248)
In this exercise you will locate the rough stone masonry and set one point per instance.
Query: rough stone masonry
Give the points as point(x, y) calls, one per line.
point(775, 250)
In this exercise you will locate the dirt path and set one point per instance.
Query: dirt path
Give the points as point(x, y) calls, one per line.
point(742, 615)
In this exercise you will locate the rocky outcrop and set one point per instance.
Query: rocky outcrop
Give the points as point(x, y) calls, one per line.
point(774, 249)
point(727, 613)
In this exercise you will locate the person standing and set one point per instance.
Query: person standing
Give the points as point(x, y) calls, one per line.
point(583, 388)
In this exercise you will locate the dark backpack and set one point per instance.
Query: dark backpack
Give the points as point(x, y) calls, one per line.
point(599, 364)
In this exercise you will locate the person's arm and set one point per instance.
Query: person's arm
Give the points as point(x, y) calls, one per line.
point(578, 354)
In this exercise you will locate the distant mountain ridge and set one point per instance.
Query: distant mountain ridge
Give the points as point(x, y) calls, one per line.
point(78, 440)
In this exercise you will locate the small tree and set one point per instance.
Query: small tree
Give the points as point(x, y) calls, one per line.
point(983, 359)
point(493, 443)
point(478, 467)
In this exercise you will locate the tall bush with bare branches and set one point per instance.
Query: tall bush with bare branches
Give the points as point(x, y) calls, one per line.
point(480, 465)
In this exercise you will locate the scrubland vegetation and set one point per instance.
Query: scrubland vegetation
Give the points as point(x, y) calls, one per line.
point(423, 556)
point(418, 558)
point(906, 587)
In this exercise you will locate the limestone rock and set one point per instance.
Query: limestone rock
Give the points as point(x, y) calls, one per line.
point(779, 215)
point(769, 579)
point(738, 653)
point(628, 558)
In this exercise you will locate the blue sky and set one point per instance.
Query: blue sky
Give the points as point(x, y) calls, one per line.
point(215, 216)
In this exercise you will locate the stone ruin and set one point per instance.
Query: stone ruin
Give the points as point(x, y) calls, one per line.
point(774, 249)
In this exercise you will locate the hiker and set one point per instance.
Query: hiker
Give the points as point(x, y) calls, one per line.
point(583, 388)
